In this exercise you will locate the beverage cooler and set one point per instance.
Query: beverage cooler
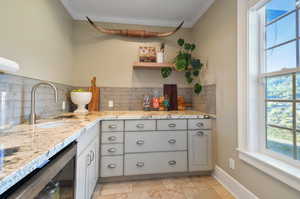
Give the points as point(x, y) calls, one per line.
point(54, 180)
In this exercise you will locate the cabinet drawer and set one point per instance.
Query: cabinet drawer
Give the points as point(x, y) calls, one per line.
point(155, 141)
point(109, 126)
point(89, 135)
point(152, 163)
point(199, 124)
point(140, 125)
point(171, 124)
point(112, 138)
point(112, 149)
point(111, 166)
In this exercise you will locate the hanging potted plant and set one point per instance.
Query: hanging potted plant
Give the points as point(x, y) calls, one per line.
point(186, 63)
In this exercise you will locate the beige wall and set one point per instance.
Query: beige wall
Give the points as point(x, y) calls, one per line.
point(216, 33)
point(37, 34)
point(110, 58)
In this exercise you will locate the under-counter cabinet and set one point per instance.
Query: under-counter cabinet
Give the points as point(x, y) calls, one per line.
point(200, 145)
point(87, 163)
point(139, 147)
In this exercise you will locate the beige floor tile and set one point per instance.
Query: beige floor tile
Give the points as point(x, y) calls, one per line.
point(116, 188)
point(147, 185)
point(167, 194)
point(177, 183)
point(172, 188)
point(222, 192)
point(113, 196)
point(192, 193)
point(210, 180)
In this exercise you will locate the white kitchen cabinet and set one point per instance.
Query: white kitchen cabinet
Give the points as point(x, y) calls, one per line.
point(93, 168)
point(87, 163)
point(81, 177)
point(200, 150)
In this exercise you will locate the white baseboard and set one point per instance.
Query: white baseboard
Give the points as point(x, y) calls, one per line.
point(232, 185)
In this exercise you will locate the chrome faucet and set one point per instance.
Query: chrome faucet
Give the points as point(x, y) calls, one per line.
point(32, 118)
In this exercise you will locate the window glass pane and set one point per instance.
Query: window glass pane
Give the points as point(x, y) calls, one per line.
point(298, 85)
point(298, 116)
point(280, 141)
point(281, 31)
point(277, 8)
point(280, 114)
point(280, 87)
point(298, 145)
point(281, 57)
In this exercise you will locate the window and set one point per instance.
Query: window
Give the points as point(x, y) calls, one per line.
point(279, 38)
point(268, 75)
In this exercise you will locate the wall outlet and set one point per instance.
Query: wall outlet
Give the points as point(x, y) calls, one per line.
point(231, 163)
point(110, 103)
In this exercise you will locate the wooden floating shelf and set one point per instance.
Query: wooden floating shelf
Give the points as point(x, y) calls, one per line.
point(151, 65)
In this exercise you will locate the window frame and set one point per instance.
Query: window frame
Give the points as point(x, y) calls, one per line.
point(249, 92)
point(262, 51)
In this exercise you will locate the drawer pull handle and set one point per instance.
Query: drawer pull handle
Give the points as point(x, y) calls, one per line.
point(140, 126)
point(112, 166)
point(140, 164)
point(112, 126)
point(92, 156)
point(172, 125)
point(140, 142)
point(172, 141)
point(112, 138)
point(112, 150)
point(172, 162)
point(200, 124)
point(200, 133)
point(89, 159)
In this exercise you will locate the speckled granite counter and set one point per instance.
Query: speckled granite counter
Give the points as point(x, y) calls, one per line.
point(27, 147)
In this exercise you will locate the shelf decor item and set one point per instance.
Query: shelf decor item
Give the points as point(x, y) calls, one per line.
point(147, 54)
point(81, 98)
point(160, 54)
point(185, 62)
point(133, 33)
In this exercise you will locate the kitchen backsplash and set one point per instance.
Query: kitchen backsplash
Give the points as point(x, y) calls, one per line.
point(19, 97)
point(206, 101)
point(18, 91)
point(132, 98)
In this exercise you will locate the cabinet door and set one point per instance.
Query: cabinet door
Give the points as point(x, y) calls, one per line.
point(200, 155)
point(81, 175)
point(94, 167)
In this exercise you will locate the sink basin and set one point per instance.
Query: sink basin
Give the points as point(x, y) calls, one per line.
point(49, 125)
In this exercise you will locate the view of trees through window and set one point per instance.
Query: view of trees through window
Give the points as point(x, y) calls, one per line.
point(282, 92)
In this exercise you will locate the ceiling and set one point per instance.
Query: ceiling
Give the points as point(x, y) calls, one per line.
point(142, 12)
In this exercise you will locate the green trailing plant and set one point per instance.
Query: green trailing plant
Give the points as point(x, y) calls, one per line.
point(186, 63)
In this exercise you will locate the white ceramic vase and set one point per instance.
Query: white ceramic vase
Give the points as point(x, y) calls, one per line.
point(81, 99)
point(160, 57)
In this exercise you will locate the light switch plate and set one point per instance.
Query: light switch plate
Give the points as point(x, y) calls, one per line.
point(110, 104)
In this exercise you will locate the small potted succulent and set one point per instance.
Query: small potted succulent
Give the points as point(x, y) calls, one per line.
point(81, 98)
point(185, 62)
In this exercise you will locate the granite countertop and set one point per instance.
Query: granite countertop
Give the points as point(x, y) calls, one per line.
point(27, 147)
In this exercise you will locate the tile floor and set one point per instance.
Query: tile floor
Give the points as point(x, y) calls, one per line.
point(172, 188)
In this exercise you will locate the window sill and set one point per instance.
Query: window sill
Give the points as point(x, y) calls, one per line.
point(280, 170)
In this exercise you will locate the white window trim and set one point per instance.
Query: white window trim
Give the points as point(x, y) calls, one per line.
point(249, 140)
